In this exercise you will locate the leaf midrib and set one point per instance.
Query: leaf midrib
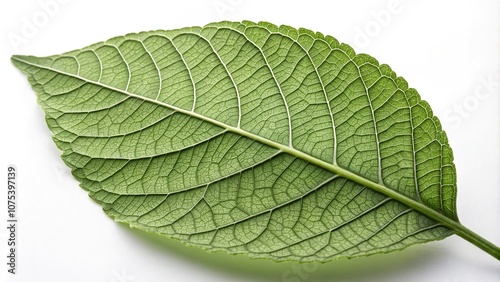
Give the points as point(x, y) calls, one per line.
point(334, 168)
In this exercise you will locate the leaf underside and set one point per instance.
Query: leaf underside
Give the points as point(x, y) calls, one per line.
point(234, 137)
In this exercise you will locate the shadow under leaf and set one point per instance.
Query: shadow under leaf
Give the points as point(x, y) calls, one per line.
point(372, 268)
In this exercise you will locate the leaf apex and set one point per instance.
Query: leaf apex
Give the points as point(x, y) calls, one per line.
point(16, 58)
point(22, 61)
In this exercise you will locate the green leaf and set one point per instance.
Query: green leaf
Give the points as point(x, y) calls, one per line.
point(251, 138)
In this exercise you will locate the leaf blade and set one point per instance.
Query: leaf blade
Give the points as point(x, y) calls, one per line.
point(288, 141)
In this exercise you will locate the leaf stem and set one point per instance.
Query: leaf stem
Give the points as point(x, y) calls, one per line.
point(474, 238)
point(455, 226)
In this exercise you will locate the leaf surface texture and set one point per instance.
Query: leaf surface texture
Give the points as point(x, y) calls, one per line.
point(249, 138)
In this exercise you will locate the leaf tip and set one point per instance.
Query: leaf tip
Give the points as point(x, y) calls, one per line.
point(19, 61)
point(17, 58)
point(23, 62)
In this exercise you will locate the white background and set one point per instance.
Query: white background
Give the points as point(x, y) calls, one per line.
point(448, 50)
